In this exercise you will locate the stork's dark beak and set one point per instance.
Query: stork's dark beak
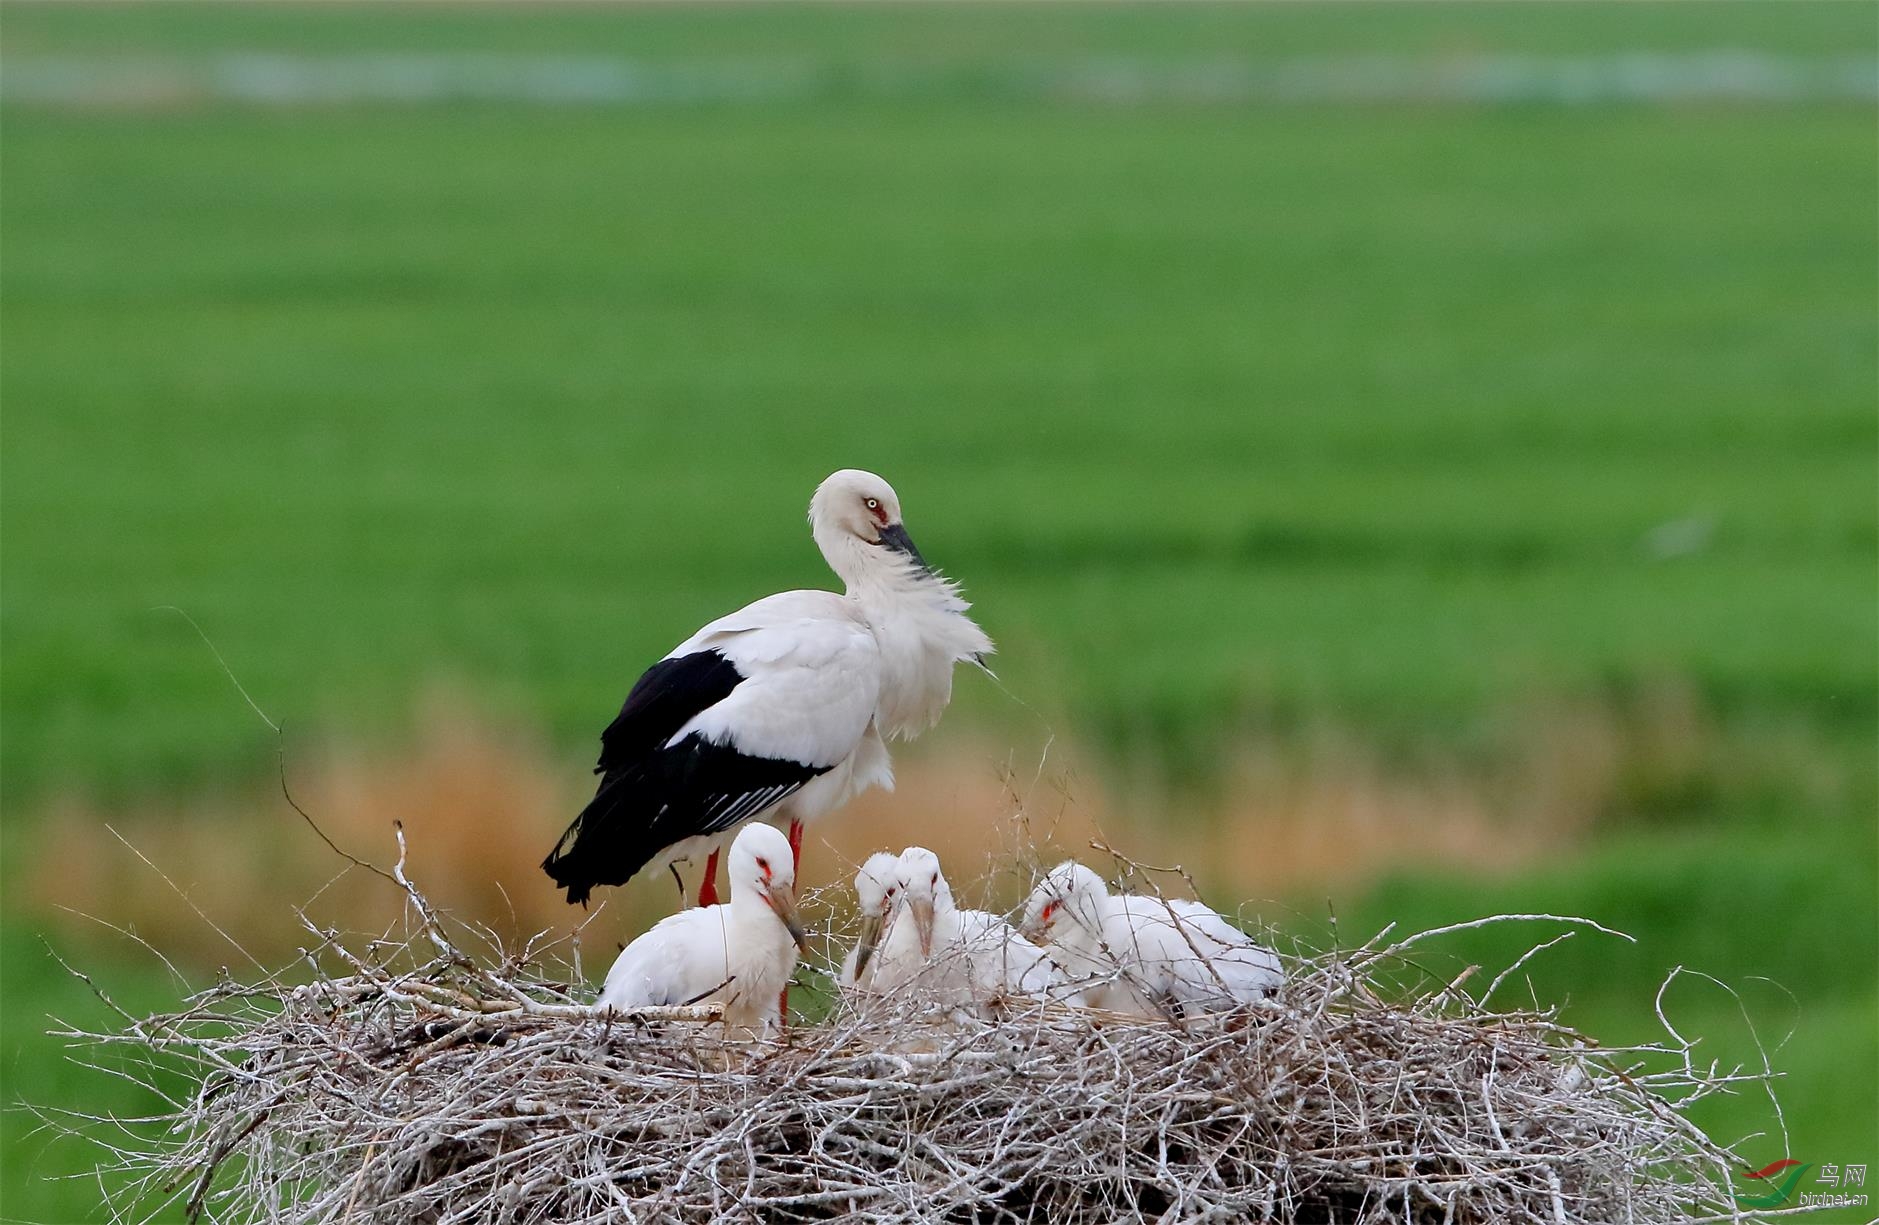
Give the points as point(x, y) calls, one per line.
point(870, 940)
point(783, 901)
point(895, 537)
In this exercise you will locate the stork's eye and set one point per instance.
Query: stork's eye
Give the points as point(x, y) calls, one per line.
point(874, 504)
point(935, 879)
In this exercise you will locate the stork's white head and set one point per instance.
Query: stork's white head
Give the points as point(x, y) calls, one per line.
point(1070, 896)
point(763, 873)
point(923, 891)
point(877, 889)
point(877, 884)
point(855, 518)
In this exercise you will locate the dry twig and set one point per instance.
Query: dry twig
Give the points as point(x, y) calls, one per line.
point(412, 1081)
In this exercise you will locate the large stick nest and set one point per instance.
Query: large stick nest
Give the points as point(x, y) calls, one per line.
point(407, 1080)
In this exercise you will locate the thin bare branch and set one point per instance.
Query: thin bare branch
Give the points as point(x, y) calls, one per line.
point(397, 1078)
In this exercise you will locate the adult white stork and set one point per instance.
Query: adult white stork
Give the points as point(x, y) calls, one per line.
point(740, 954)
point(877, 887)
point(779, 710)
point(1142, 955)
point(952, 956)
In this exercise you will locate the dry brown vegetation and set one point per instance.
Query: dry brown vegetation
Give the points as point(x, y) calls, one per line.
point(483, 800)
point(427, 1075)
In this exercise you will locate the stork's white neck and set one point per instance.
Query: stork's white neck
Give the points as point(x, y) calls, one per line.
point(1078, 932)
point(872, 568)
point(919, 619)
point(749, 912)
point(744, 905)
point(1075, 947)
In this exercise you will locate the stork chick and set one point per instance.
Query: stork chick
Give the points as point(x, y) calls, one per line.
point(877, 889)
point(740, 954)
point(952, 956)
point(1146, 956)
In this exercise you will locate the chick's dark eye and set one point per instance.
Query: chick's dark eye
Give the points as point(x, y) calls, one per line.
point(762, 862)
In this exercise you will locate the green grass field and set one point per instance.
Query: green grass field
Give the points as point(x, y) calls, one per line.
point(1238, 421)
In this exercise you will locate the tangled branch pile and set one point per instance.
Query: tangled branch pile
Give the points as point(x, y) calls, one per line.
point(411, 1081)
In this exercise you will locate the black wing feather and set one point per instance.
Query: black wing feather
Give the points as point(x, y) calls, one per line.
point(670, 694)
point(651, 796)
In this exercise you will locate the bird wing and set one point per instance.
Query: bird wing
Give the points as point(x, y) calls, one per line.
point(681, 958)
point(1002, 960)
point(1204, 920)
point(707, 667)
point(810, 687)
point(783, 608)
point(664, 699)
point(733, 722)
point(1247, 971)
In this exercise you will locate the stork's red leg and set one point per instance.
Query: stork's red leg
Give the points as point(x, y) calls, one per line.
point(708, 887)
point(795, 854)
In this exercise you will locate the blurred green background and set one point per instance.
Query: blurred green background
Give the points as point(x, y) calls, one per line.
point(1434, 381)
